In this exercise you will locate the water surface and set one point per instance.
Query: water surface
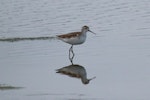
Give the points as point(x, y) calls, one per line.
point(118, 55)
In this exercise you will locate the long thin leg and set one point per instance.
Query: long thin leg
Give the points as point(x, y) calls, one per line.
point(71, 58)
point(70, 50)
point(73, 54)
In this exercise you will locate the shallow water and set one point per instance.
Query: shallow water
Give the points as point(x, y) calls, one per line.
point(118, 55)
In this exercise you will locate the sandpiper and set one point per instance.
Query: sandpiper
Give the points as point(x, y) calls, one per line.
point(74, 38)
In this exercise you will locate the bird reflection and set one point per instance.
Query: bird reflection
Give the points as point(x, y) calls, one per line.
point(76, 71)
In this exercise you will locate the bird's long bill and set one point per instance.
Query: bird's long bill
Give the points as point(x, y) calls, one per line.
point(91, 31)
point(92, 78)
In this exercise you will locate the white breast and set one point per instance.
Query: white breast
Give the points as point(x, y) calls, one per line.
point(75, 40)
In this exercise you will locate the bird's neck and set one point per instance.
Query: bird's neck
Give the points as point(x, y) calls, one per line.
point(84, 80)
point(83, 32)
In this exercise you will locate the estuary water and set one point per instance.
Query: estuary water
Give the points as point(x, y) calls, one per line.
point(118, 55)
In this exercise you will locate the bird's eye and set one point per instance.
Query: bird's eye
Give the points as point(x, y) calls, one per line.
point(85, 27)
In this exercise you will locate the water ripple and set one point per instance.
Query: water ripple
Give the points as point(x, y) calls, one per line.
point(25, 38)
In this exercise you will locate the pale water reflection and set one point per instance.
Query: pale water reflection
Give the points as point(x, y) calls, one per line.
point(77, 71)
